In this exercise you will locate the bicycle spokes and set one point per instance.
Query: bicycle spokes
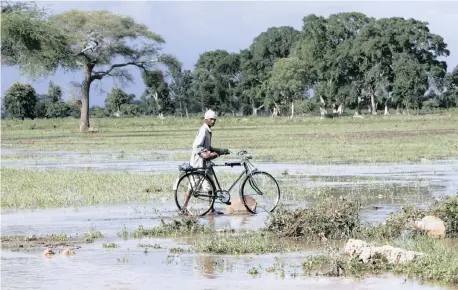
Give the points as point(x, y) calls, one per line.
point(192, 195)
point(264, 189)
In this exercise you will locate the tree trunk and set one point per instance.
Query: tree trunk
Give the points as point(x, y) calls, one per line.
point(323, 111)
point(255, 110)
point(340, 109)
point(358, 106)
point(181, 110)
point(186, 110)
point(84, 119)
point(386, 110)
point(276, 110)
point(335, 108)
point(292, 110)
point(373, 105)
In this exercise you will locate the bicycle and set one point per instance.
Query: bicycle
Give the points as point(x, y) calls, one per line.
point(197, 176)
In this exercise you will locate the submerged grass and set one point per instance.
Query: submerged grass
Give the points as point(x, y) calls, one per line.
point(241, 243)
point(29, 189)
point(180, 226)
point(52, 240)
point(374, 139)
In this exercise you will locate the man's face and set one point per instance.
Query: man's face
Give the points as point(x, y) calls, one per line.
point(210, 122)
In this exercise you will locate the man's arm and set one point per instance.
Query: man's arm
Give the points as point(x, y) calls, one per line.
point(220, 151)
point(199, 141)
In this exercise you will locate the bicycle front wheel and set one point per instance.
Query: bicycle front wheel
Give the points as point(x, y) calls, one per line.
point(263, 189)
point(194, 193)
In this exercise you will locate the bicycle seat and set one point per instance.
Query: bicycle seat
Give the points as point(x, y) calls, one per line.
point(231, 164)
point(185, 167)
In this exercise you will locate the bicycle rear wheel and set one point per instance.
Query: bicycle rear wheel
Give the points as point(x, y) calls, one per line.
point(263, 188)
point(194, 193)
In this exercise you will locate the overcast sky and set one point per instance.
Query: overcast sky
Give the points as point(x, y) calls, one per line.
point(193, 27)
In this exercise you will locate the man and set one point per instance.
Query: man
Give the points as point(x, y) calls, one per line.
point(202, 151)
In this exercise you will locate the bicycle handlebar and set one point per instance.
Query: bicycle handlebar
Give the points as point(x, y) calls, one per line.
point(243, 154)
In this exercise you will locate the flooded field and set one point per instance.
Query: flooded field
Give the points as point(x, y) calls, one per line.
point(130, 267)
point(133, 263)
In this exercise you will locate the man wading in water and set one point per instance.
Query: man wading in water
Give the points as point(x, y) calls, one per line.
point(202, 151)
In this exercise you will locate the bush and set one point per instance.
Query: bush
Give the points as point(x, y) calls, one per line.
point(447, 210)
point(331, 217)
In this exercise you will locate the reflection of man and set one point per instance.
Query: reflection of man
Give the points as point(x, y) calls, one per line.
point(202, 151)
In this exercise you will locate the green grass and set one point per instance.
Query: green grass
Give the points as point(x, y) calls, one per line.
point(24, 188)
point(242, 243)
point(30, 189)
point(345, 140)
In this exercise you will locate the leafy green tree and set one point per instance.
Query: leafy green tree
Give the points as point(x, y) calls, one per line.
point(20, 101)
point(214, 78)
point(181, 87)
point(92, 41)
point(286, 83)
point(410, 82)
point(116, 99)
point(157, 94)
point(55, 107)
point(257, 62)
point(450, 97)
point(325, 46)
point(31, 41)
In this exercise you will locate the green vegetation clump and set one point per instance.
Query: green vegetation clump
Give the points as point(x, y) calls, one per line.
point(177, 226)
point(440, 262)
point(447, 209)
point(336, 218)
point(240, 243)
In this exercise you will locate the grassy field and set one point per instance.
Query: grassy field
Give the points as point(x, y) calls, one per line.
point(396, 138)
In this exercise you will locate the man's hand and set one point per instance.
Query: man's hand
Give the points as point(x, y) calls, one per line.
point(207, 155)
point(225, 152)
point(222, 151)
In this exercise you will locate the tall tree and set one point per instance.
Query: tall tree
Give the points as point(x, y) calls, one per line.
point(157, 94)
point(287, 82)
point(31, 41)
point(98, 42)
point(325, 46)
point(449, 97)
point(257, 62)
point(116, 99)
point(55, 107)
point(20, 101)
point(181, 87)
point(213, 81)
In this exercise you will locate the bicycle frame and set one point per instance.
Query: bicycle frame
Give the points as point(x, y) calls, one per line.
point(248, 169)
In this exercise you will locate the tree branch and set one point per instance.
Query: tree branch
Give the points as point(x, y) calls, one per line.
point(100, 75)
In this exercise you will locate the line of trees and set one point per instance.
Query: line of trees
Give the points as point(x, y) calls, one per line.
point(344, 61)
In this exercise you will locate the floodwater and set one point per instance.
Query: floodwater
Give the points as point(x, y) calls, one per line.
point(129, 267)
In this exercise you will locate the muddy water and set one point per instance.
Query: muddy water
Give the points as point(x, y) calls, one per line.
point(128, 267)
